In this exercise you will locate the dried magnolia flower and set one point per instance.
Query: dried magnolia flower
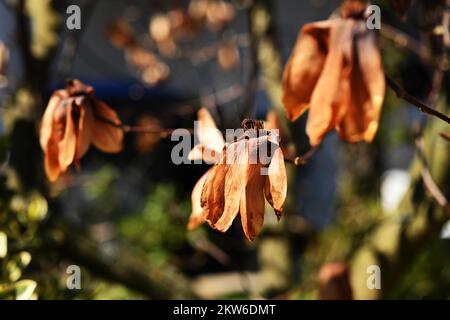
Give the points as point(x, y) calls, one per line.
point(334, 282)
point(75, 118)
point(242, 178)
point(228, 55)
point(336, 71)
point(400, 6)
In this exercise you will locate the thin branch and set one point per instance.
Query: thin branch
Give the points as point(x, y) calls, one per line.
point(427, 178)
point(405, 42)
point(124, 268)
point(401, 93)
point(162, 132)
point(247, 108)
point(71, 43)
point(302, 159)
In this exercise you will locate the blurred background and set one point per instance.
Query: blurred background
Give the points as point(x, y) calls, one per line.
point(122, 217)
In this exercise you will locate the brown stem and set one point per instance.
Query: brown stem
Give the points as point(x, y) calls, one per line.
point(162, 132)
point(406, 42)
point(427, 178)
point(401, 93)
point(302, 159)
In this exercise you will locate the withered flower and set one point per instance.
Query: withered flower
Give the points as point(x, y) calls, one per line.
point(75, 118)
point(242, 178)
point(336, 71)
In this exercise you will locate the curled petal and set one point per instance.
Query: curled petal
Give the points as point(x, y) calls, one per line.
point(252, 202)
point(47, 119)
point(67, 146)
point(275, 187)
point(326, 111)
point(197, 215)
point(106, 133)
point(85, 125)
point(51, 163)
point(305, 67)
point(235, 181)
point(213, 194)
point(367, 88)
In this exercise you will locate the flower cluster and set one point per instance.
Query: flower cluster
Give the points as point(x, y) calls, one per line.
point(335, 71)
point(75, 118)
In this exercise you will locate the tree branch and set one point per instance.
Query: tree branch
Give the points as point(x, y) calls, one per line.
point(156, 283)
point(401, 93)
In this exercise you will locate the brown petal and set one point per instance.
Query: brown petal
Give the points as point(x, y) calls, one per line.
point(106, 136)
point(367, 87)
point(326, 111)
point(235, 180)
point(51, 162)
point(197, 215)
point(213, 194)
point(252, 202)
point(275, 187)
point(47, 119)
point(304, 67)
point(85, 125)
point(67, 146)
